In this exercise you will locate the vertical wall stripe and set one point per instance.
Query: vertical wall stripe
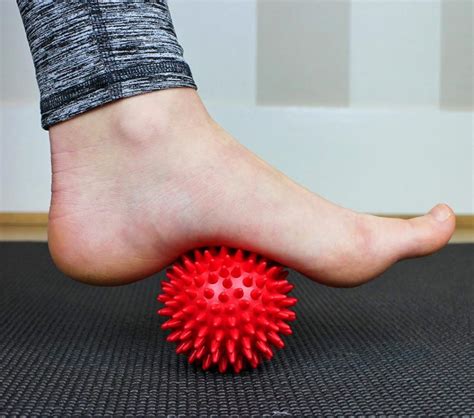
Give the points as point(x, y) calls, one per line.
point(395, 53)
point(457, 55)
point(303, 52)
point(17, 73)
point(219, 41)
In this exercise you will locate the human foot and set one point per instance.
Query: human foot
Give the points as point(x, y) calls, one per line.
point(142, 180)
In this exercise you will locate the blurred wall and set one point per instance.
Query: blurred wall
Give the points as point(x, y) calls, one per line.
point(369, 103)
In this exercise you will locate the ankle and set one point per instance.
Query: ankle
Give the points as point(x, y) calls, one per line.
point(131, 121)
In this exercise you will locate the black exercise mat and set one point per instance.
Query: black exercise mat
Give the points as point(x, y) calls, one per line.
point(400, 345)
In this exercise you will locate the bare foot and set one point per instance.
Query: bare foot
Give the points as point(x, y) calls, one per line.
point(141, 180)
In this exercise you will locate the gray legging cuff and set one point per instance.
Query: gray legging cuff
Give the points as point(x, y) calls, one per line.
point(92, 52)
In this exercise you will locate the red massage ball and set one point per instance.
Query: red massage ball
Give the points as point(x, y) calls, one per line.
point(226, 307)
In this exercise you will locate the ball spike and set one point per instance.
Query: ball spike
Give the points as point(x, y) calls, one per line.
point(223, 272)
point(261, 267)
point(288, 302)
point(287, 289)
point(216, 355)
point(217, 322)
point(171, 323)
point(255, 360)
point(198, 256)
point(191, 324)
point(283, 327)
point(174, 336)
point(192, 294)
point(208, 293)
point(172, 303)
point(219, 335)
point(200, 353)
point(234, 334)
point(246, 343)
point(165, 311)
point(214, 265)
point(248, 281)
point(245, 317)
point(273, 271)
point(230, 346)
point(192, 357)
point(249, 329)
point(179, 315)
point(185, 335)
point(263, 347)
point(275, 339)
point(200, 268)
point(162, 298)
point(207, 362)
point(207, 256)
point(201, 317)
point(215, 345)
point(224, 297)
point(272, 326)
point(238, 365)
point(200, 342)
point(248, 353)
point(223, 251)
point(190, 309)
point(261, 335)
point(260, 282)
point(216, 308)
point(178, 270)
point(228, 261)
point(213, 278)
point(203, 331)
point(262, 321)
point(244, 304)
point(223, 364)
point(239, 256)
point(248, 266)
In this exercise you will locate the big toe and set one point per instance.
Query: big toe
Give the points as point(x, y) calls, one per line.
point(426, 234)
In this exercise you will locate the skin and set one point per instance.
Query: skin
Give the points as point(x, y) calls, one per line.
point(141, 180)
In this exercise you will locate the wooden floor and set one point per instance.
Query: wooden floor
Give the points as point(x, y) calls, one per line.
point(38, 233)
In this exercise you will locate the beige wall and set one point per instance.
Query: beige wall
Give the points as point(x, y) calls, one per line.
point(303, 52)
point(383, 53)
point(457, 56)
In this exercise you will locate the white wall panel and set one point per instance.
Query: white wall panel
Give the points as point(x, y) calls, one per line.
point(219, 41)
point(369, 160)
point(24, 160)
point(384, 161)
point(17, 74)
point(395, 53)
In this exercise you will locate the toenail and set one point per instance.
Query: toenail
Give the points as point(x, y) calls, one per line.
point(441, 213)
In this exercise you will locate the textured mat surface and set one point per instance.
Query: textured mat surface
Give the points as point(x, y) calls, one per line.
point(400, 345)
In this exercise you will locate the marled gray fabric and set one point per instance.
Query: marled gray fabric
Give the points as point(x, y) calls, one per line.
point(87, 53)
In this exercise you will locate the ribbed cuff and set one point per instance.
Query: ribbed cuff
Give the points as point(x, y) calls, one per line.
point(110, 86)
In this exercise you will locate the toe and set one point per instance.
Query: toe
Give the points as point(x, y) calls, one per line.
point(432, 231)
point(426, 234)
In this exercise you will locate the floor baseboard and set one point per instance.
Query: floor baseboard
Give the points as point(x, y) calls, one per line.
point(41, 219)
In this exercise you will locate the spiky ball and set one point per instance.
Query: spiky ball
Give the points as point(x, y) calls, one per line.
point(227, 307)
